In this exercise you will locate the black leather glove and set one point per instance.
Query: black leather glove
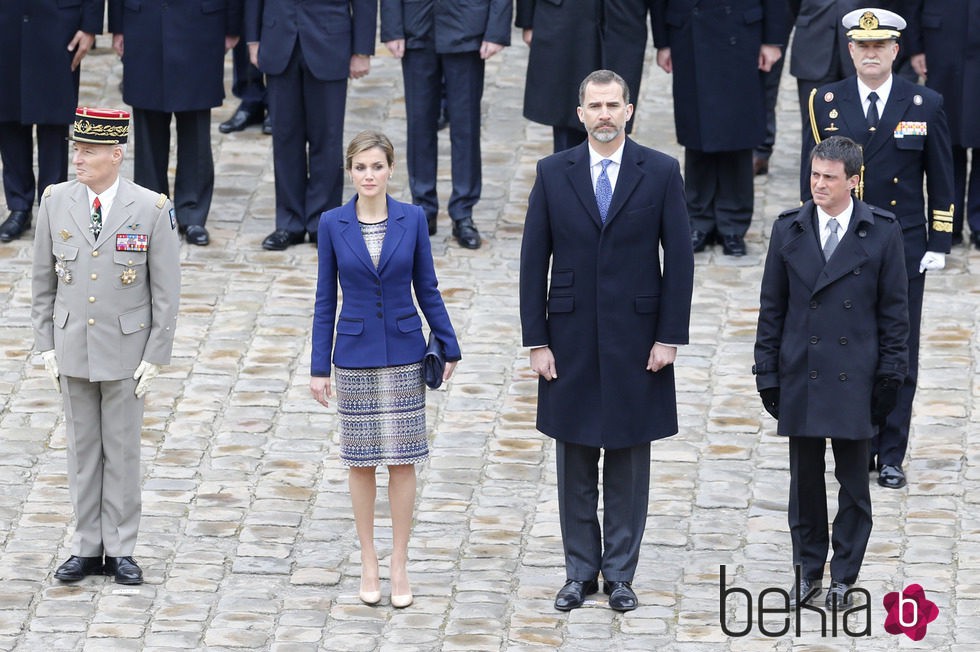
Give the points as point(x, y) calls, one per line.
point(770, 401)
point(884, 398)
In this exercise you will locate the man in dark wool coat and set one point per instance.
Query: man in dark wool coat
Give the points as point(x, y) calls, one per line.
point(830, 354)
point(604, 330)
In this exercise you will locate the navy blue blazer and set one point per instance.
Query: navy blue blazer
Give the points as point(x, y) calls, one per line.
point(378, 325)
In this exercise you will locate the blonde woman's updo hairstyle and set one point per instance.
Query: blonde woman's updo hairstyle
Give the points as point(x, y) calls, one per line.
point(366, 140)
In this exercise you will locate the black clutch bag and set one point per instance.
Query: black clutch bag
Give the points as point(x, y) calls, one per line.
point(434, 363)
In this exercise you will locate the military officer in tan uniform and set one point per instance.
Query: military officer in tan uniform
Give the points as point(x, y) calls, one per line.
point(106, 289)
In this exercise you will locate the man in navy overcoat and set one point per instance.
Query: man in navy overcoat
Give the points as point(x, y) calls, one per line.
point(43, 44)
point(830, 354)
point(603, 319)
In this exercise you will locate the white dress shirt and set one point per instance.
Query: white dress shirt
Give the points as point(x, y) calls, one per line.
point(612, 170)
point(106, 199)
point(844, 219)
point(883, 92)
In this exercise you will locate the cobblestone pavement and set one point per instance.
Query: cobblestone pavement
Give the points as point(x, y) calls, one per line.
point(247, 538)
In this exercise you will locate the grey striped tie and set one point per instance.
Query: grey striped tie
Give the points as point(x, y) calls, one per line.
point(831, 244)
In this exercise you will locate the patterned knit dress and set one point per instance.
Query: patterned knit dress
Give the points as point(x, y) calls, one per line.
point(381, 410)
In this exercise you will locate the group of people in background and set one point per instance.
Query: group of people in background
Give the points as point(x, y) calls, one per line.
point(610, 319)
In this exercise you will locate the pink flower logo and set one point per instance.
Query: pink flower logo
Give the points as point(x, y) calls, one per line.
point(909, 612)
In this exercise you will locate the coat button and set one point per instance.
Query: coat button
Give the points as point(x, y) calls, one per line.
point(91, 322)
point(91, 299)
point(94, 276)
point(857, 271)
point(378, 304)
point(893, 202)
point(732, 41)
point(814, 304)
point(377, 293)
point(95, 254)
point(813, 375)
point(814, 339)
point(380, 315)
point(847, 304)
point(129, 262)
point(895, 180)
point(142, 325)
point(843, 340)
point(862, 233)
point(842, 377)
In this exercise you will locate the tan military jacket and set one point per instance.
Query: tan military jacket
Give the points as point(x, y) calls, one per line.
point(104, 305)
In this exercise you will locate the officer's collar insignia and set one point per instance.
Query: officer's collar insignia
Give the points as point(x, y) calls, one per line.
point(828, 97)
point(65, 235)
point(917, 100)
point(833, 114)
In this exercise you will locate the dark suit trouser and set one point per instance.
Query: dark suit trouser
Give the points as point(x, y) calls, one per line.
point(892, 441)
point(720, 194)
point(808, 507)
point(248, 83)
point(770, 82)
point(17, 153)
point(194, 179)
point(971, 190)
point(308, 112)
point(103, 424)
point(567, 137)
point(615, 549)
point(424, 71)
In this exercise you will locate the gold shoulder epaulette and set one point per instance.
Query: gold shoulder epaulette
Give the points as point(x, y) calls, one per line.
point(161, 200)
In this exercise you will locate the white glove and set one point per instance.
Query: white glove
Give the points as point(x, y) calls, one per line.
point(51, 366)
point(146, 372)
point(932, 261)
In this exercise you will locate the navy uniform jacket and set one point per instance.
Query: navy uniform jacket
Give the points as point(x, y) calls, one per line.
point(912, 139)
point(328, 31)
point(597, 295)
point(38, 84)
point(948, 32)
point(719, 98)
point(447, 26)
point(174, 51)
point(572, 39)
point(828, 330)
point(378, 325)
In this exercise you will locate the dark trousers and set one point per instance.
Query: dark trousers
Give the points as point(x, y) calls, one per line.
point(770, 82)
point(247, 81)
point(17, 153)
point(615, 549)
point(808, 507)
point(567, 137)
point(194, 179)
point(307, 144)
point(424, 71)
point(718, 185)
point(892, 441)
point(971, 207)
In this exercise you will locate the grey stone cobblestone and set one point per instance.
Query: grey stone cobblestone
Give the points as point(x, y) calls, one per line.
point(247, 538)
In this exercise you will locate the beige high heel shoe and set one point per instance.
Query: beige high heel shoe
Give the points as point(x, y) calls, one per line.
point(401, 601)
point(370, 597)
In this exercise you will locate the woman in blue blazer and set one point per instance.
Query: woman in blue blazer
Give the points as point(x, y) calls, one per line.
point(378, 250)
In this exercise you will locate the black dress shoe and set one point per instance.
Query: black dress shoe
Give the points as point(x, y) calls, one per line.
point(975, 239)
point(15, 224)
point(732, 245)
point(621, 596)
point(280, 240)
point(196, 234)
point(125, 570)
point(700, 240)
point(77, 568)
point(267, 125)
point(891, 476)
point(466, 234)
point(838, 593)
point(241, 119)
point(572, 595)
point(760, 165)
point(809, 589)
point(433, 224)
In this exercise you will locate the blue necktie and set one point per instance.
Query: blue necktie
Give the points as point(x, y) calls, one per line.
point(603, 190)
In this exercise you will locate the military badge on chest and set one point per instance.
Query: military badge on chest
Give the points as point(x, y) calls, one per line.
point(62, 271)
point(131, 242)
